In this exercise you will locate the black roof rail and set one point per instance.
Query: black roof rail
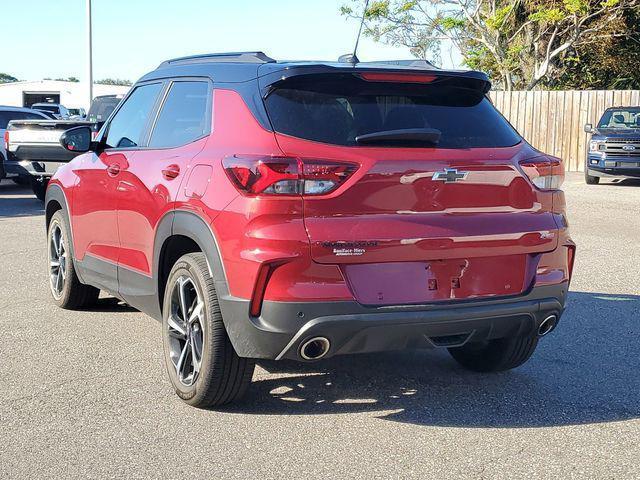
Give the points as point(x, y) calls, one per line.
point(229, 57)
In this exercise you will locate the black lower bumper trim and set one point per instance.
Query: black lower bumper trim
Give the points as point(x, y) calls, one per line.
point(617, 172)
point(353, 328)
point(33, 168)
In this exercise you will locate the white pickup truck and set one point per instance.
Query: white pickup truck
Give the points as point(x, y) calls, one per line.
point(34, 152)
point(33, 147)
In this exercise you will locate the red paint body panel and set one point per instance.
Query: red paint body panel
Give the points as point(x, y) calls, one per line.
point(495, 223)
point(387, 235)
point(94, 214)
point(144, 196)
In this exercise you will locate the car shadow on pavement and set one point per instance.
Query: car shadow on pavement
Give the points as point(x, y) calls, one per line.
point(108, 304)
point(18, 201)
point(586, 371)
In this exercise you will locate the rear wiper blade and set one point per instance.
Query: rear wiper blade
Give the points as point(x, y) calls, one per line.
point(426, 135)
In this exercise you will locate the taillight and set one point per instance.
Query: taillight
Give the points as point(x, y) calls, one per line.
point(6, 140)
point(260, 175)
point(322, 176)
point(546, 173)
point(397, 77)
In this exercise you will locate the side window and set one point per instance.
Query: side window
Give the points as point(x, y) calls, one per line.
point(183, 117)
point(127, 127)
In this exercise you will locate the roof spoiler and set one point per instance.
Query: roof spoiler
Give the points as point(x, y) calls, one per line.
point(474, 79)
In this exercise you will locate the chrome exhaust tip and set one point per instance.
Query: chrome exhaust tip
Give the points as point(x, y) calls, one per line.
point(547, 325)
point(315, 348)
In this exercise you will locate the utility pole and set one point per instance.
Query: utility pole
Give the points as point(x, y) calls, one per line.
point(89, 54)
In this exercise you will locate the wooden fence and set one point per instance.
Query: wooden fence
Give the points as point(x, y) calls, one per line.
point(553, 121)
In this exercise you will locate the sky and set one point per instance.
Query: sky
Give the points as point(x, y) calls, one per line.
point(47, 38)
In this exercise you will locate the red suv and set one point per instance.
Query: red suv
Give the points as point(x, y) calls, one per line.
point(301, 210)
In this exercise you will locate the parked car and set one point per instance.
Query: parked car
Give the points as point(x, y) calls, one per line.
point(34, 152)
point(102, 106)
point(300, 210)
point(77, 114)
point(59, 111)
point(6, 115)
point(614, 149)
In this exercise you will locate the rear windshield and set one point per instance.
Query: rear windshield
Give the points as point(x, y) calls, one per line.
point(48, 108)
point(101, 108)
point(8, 115)
point(338, 108)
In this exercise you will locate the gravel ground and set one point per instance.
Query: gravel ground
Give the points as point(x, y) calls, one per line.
point(84, 394)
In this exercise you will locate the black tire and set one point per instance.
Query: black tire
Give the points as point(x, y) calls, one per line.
point(223, 376)
point(495, 355)
point(590, 179)
point(72, 294)
point(39, 188)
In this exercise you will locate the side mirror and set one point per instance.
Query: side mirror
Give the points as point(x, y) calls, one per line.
point(588, 128)
point(77, 139)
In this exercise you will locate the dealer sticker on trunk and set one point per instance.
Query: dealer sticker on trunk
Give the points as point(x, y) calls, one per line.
point(349, 249)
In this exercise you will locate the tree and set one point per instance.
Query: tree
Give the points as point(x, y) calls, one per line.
point(611, 62)
point(521, 43)
point(70, 79)
point(6, 78)
point(114, 81)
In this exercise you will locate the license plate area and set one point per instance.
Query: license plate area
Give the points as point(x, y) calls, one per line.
point(400, 283)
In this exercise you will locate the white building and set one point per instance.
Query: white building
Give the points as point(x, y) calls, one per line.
point(69, 94)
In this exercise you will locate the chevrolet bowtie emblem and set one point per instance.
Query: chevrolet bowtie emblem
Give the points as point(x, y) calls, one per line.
point(449, 175)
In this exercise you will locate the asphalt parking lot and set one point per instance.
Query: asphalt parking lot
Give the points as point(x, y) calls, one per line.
point(84, 394)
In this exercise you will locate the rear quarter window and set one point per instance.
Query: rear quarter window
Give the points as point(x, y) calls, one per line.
point(336, 109)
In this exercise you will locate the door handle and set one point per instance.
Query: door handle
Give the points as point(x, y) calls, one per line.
point(113, 169)
point(171, 172)
point(125, 186)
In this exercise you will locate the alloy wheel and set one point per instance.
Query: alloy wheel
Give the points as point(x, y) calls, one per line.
point(185, 330)
point(57, 261)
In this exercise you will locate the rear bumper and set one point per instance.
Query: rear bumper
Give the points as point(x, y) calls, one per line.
point(352, 328)
point(31, 168)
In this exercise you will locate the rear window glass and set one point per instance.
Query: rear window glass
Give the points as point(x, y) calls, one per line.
point(101, 108)
point(336, 109)
point(7, 116)
point(47, 108)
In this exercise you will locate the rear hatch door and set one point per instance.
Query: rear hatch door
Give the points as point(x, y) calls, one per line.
point(441, 211)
